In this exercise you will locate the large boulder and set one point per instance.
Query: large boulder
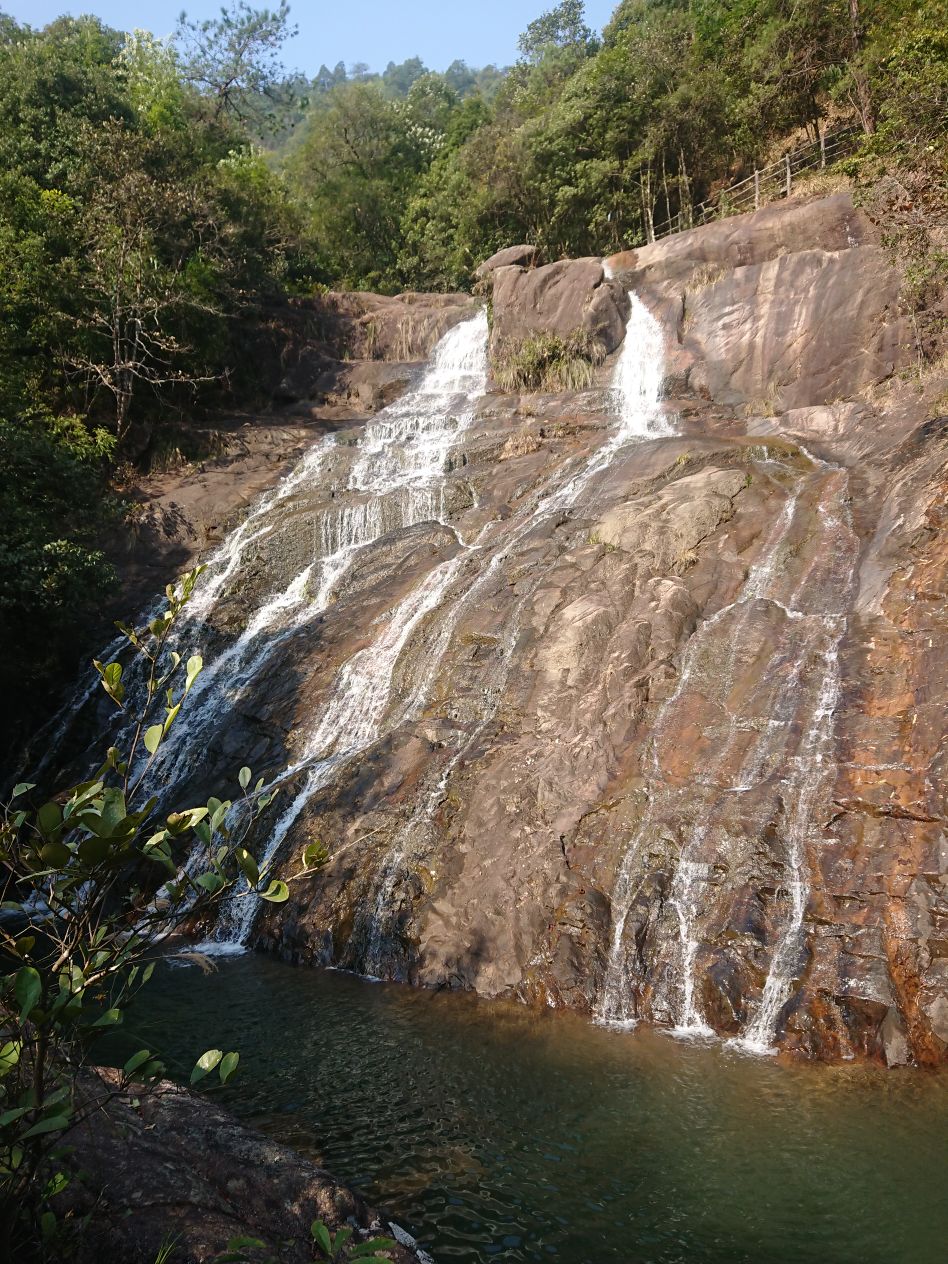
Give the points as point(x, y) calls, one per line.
point(561, 298)
point(524, 256)
point(171, 1175)
point(800, 330)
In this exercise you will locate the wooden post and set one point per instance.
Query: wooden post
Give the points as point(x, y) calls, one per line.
point(756, 189)
point(787, 161)
point(822, 148)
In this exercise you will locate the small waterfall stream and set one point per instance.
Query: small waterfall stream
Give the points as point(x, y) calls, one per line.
point(389, 492)
point(795, 731)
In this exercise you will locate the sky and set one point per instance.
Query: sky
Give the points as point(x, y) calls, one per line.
point(373, 31)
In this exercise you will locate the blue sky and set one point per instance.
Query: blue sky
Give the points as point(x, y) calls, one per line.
point(373, 31)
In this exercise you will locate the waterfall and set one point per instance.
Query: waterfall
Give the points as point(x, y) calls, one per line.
point(810, 771)
point(400, 468)
point(614, 1004)
point(802, 681)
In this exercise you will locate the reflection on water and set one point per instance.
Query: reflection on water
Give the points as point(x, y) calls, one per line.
point(497, 1133)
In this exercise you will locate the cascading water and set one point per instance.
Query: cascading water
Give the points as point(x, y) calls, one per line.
point(811, 769)
point(391, 493)
point(401, 464)
point(616, 1001)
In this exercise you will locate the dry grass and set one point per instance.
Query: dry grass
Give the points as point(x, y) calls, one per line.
point(707, 274)
point(547, 362)
point(821, 183)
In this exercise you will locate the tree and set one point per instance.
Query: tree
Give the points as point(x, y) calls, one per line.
point(92, 883)
point(54, 579)
point(561, 27)
point(146, 235)
point(356, 162)
point(234, 60)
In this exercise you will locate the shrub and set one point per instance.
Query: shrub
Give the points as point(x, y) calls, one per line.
point(92, 883)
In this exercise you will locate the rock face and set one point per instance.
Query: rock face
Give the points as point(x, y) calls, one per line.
point(175, 1169)
point(649, 697)
point(560, 298)
point(359, 348)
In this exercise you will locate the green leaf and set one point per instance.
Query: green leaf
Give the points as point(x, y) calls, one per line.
point(206, 1063)
point(92, 851)
point(9, 1116)
point(341, 1241)
point(321, 1238)
point(9, 1056)
point(49, 818)
point(248, 866)
point(276, 893)
point(363, 1249)
point(114, 810)
point(55, 854)
point(314, 854)
point(110, 1018)
point(135, 1061)
point(228, 1066)
point(210, 882)
point(152, 738)
point(21, 788)
point(28, 989)
point(195, 666)
point(220, 812)
point(55, 1123)
point(55, 1185)
point(244, 778)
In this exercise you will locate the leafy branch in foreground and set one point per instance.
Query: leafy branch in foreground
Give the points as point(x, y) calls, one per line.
point(92, 884)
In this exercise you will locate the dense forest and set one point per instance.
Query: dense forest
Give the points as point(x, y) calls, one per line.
point(158, 197)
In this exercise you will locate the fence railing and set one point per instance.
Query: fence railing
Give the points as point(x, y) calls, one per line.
point(766, 184)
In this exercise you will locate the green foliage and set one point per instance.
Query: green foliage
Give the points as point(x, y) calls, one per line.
point(585, 147)
point(234, 60)
point(546, 362)
point(136, 222)
point(94, 880)
point(53, 575)
point(338, 1248)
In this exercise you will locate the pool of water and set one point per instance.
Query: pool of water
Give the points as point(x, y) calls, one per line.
point(494, 1132)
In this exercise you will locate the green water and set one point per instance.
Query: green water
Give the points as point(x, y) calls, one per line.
point(496, 1133)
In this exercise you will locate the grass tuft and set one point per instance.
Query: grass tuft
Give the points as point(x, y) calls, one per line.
point(547, 362)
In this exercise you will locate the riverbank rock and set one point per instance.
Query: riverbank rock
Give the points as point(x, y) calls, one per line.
point(173, 1170)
